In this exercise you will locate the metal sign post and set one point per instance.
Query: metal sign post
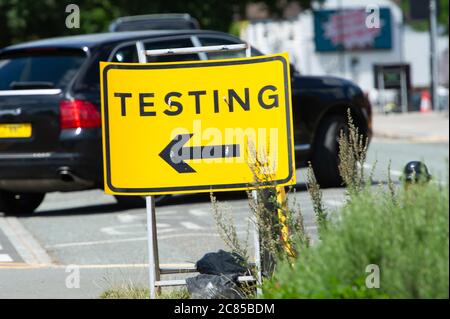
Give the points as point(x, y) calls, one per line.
point(154, 266)
point(152, 242)
point(381, 92)
point(403, 90)
point(434, 83)
point(257, 245)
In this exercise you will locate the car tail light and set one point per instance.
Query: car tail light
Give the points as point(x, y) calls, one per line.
point(78, 113)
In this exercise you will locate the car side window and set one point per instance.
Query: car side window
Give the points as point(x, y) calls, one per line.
point(125, 54)
point(170, 44)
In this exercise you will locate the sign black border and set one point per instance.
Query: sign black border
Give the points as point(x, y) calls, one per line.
point(191, 65)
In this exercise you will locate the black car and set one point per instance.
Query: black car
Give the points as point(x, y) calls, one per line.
point(50, 124)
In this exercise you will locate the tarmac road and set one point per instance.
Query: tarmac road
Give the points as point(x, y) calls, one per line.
point(109, 245)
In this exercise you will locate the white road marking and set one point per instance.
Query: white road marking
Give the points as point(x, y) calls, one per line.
point(23, 242)
point(174, 265)
point(335, 203)
point(118, 230)
point(392, 171)
point(167, 212)
point(198, 212)
point(132, 229)
point(191, 226)
point(97, 242)
point(5, 258)
point(396, 173)
point(194, 235)
point(165, 230)
point(95, 266)
point(129, 218)
point(369, 167)
point(103, 266)
point(124, 240)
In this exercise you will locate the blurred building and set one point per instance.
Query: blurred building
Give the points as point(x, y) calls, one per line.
point(338, 39)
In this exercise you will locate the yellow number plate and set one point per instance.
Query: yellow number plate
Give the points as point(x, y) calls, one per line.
point(22, 130)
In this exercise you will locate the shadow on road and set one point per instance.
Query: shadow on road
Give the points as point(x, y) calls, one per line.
point(172, 201)
point(221, 196)
point(85, 210)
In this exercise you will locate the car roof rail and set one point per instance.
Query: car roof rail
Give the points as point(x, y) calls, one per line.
point(154, 17)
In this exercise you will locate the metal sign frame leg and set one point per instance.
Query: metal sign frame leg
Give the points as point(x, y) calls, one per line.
point(153, 257)
point(257, 246)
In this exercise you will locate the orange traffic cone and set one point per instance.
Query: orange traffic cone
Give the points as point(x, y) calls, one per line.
point(425, 102)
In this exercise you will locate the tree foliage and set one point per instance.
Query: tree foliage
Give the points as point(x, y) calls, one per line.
point(22, 20)
point(424, 25)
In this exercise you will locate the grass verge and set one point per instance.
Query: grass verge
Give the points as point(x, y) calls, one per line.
point(406, 238)
point(132, 292)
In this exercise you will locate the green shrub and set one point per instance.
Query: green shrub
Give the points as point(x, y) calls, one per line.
point(406, 236)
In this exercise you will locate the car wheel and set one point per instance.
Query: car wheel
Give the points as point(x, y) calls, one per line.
point(138, 201)
point(13, 203)
point(325, 158)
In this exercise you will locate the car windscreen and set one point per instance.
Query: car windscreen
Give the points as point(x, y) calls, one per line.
point(24, 70)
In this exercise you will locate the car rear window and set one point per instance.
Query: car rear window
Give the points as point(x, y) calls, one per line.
point(39, 70)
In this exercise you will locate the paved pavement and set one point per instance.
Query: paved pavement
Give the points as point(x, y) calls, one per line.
point(429, 127)
point(108, 244)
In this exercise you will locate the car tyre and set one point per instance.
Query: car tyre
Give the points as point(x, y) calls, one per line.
point(138, 201)
point(325, 158)
point(14, 203)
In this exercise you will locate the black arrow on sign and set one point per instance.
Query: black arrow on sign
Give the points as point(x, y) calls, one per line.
point(175, 154)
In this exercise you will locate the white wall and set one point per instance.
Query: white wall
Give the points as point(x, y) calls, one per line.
point(297, 38)
point(417, 53)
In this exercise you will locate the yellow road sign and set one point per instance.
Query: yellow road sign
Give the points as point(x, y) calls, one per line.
point(189, 127)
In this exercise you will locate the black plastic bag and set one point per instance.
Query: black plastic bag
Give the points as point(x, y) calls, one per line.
point(221, 263)
point(213, 287)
